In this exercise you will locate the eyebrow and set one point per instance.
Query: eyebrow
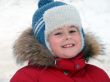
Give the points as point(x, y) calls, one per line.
point(72, 26)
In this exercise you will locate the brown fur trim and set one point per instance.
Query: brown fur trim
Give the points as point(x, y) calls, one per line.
point(26, 48)
point(93, 46)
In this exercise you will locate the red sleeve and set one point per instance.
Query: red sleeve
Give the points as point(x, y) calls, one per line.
point(98, 74)
point(25, 74)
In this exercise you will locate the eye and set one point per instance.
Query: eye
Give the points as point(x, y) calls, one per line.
point(58, 33)
point(72, 31)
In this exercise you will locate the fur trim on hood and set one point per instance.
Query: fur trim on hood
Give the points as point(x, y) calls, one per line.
point(26, 48)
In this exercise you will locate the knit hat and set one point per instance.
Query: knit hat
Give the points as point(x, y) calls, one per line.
point(51, 15)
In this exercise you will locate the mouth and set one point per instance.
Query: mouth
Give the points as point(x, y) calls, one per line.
point(68, 46)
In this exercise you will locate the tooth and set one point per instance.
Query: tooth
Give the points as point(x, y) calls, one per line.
point(69, 45)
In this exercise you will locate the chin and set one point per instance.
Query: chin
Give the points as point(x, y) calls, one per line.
point(68, 56)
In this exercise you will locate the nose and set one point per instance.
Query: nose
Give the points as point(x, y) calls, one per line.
point(67, 36)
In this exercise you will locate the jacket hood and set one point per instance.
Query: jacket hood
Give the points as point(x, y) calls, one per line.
point(26, 48)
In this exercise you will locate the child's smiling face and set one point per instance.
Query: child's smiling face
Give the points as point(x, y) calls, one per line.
point(65, 42)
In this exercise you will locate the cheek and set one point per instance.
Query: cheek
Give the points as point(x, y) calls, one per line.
point(54, 43)
point(55, 46)
point(78, 39)
point(79, 42)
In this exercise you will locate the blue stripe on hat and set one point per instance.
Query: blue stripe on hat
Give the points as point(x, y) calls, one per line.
point(35, 26)
point(39, 31)
point(40, 26)
point(39, 35)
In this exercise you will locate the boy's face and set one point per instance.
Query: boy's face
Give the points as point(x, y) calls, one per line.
point(65, 42)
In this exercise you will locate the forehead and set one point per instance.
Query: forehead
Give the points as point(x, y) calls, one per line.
point(66, 27)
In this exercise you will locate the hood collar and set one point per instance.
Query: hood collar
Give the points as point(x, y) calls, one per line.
point(72, 65)
point(26, 48)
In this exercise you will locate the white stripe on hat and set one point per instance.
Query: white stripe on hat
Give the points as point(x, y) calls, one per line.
point(38, 26)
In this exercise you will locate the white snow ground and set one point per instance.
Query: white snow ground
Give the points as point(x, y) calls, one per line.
point(15, 16)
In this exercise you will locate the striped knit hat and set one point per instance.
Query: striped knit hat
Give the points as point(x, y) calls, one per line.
point(53, 14)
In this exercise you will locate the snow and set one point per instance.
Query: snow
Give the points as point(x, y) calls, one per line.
point(16, 16)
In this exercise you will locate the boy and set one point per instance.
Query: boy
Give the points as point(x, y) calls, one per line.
point(56, 48)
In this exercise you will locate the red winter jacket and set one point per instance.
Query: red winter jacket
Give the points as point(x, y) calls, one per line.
point(43, 69)
point(66, 70)
point(34, 74)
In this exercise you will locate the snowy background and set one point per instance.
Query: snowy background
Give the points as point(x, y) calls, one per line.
point(16, 15)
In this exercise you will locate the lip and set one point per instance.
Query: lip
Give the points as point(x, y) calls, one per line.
point(68, 45)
